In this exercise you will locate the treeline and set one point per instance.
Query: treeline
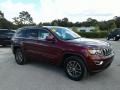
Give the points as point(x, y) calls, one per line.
point(25, 18)
point(101, 25)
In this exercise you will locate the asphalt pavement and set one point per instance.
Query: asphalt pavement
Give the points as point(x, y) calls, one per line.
point(43, 76)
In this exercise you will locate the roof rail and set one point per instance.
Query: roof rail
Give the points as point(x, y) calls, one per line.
point(32, 26)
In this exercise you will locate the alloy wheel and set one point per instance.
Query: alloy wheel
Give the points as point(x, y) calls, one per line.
point(74, 69)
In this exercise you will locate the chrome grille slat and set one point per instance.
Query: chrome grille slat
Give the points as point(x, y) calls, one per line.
point(106, 51)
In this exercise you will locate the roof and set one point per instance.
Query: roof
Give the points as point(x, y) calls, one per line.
point(38, 27)
point(31, 27)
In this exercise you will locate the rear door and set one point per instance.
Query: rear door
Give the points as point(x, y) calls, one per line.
point(30, 43)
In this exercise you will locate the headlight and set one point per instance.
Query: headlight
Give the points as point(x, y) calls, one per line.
point(95, 51)
point(118, 35)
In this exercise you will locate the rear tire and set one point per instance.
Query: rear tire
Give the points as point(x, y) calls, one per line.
point(19, 57)
point(115, 39)
point(74, 68)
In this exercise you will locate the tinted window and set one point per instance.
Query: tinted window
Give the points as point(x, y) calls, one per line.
point(6, 33)
point(65, 33)
point(32, 33)
point(3, 32)
point(11, 33)
point(117, 31)
point(21, 33)
point(43, 34)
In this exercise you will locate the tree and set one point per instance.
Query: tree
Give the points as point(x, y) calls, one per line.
point(103, 25)
point(46, 24)
point(65, 22)
point(54, 23)
point(5, 24)
point(17, 21)
point(40, 24)
point(111, 25)
point(97, 28)
point(92, 22)
point(117, 21)
point(1, 14)
point(24, 18)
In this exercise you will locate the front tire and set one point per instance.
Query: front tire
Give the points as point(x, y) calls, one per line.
point(19, 57)
point(74, 68)
point(115, 39)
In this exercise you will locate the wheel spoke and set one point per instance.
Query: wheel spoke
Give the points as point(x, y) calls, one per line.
point(74, 73)
point(79, 72)
point(69, 64)
point(78, 67)
point(74, 63)
point(74, 68)
point(19, 56)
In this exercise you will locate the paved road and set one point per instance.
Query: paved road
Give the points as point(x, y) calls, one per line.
point(41, 76)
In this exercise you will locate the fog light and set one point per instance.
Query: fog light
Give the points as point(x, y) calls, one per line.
point(98, 62)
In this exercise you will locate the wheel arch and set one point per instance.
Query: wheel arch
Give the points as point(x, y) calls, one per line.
point(15, 48)
point(66, 55)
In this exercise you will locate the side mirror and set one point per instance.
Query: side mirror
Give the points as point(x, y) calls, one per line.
point(50, 38)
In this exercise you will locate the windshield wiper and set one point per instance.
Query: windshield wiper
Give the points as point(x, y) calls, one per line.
point(77, 37)
point(73, 38)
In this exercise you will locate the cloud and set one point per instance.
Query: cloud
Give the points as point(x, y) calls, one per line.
point(75, 10)
point(11, 9)
point(78, 10)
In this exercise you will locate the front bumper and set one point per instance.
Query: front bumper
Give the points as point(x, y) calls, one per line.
point(93, 67)
point(5, 41)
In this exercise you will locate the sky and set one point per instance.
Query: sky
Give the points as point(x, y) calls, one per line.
point(74, 10)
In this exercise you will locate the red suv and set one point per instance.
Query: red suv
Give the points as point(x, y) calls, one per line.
point(62, 46)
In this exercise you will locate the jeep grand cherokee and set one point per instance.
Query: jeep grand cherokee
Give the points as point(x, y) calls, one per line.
point(62, 47)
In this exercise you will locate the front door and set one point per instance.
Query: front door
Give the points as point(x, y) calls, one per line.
point(49, 50)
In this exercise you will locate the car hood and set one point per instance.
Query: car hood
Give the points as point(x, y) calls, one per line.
point(89, 42)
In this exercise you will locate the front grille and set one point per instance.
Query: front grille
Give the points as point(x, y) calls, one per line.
point(107, 51)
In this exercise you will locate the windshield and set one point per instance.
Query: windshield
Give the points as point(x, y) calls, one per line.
point(65, 33)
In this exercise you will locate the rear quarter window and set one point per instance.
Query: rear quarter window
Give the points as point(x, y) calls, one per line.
point(21, 33)
point(32, 33)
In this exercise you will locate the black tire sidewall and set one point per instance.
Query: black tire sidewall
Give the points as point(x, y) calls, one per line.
point(23, 60)
point(115, 39)
point(79, 60)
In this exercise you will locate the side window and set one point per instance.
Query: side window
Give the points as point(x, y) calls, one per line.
point(32, 34)
point(21, 33)
point(119, 32)
point(3, 32)
point(43, 34)
point(10, 33)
